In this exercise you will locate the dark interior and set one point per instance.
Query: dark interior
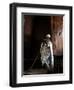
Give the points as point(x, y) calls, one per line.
point(41, 25)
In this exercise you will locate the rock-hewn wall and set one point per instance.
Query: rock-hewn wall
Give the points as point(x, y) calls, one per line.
point(57, 34)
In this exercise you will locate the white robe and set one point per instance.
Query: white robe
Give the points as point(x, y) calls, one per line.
point(46, 52)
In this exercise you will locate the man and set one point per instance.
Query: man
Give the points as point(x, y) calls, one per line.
point(46, 52)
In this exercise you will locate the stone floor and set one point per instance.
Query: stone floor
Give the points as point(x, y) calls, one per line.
point(38, 69)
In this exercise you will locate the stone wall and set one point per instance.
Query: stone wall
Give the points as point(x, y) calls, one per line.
point(57, 34)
